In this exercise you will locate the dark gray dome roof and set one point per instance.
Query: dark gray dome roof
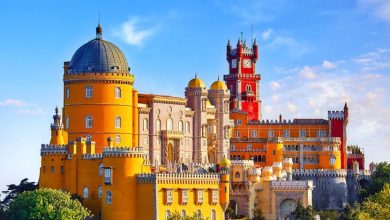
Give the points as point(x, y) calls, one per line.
point(98, 56)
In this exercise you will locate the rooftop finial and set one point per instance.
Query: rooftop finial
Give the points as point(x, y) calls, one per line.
point(56, 110)
point(196, 75)
point(218, 77)
point(99, 30)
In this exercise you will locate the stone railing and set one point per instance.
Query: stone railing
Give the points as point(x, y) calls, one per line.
point(179, 178)
point(294, 184)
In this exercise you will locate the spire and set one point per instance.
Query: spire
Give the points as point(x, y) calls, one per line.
point(218, 77)
point(56, 110)
point(345, 106)
point(254, 42)
point(196, 75)
point(228, 44)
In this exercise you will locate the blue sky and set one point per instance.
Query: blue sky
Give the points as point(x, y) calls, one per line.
point(314, 56)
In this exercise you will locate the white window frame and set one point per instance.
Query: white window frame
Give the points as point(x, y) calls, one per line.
point(215, 195)
point(107, 176)
point(270, 133)
point(85, 192)
point(199, 196)
point(88, 92)
point(67, 122)
point(117, 139)
point(168, 196)
point(108, 197)
point(118, 92)
point(286, 133)
point(100, 192)
point(88, 121)
point(184, 196)
point(254, 133)
point(237, 134)
point(145, 124)
point(302, 133)
point(67, 92)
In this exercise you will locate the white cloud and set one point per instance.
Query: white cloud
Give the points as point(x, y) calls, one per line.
point(266, 34)
point(292, 107)
point(132, 31)
point(328, 65)
point(307, 72)
point(268, 109)
point(13, 102)
point(22, 107)
point(288, 45)
point(365, 92)
point(275, 85)
point(379, 8)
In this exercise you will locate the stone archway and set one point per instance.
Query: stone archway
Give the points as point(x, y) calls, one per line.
point(286, 207)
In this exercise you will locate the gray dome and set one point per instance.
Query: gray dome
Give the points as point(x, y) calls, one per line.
point(98, 56)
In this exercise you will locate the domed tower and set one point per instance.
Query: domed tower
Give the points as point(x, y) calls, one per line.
point(196, 94)
point(219, 96)
point(99, 99)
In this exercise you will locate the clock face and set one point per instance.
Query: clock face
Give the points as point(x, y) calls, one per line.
point(247, 63)
point(234, 63)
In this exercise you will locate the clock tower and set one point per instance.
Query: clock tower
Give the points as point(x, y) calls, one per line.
point(242, 80)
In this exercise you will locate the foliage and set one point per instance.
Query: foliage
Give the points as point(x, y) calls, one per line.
point(14, 190)
point(258, 214)
point(328, 214)
point(350, 212)
point(302, 213)
point(376, 206)
point(378, 179)
point(46, 204)
point(177, 216)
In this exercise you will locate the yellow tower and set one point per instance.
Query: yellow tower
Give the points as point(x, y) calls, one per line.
point(99, 99)
point(121, 165)
point(224, 186)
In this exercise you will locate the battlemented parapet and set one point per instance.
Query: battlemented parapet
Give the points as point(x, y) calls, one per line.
point(50, 149)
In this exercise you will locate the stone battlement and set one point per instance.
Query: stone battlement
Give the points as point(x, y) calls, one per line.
point(123, 152)
point(47, 149)
point(319, 173)
point(92, 156)
point(178, 178)
point(291, 185)
point(245, 163)
point(255, 172)
point(336, 115)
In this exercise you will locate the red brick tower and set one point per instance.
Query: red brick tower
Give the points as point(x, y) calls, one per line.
point(242, 80)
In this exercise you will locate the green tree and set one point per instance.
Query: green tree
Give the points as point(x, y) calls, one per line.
point(378, 179)
point(350, 212)
point(376, 206)
point(14, 190)
point(302, 213)
point(258, 214)
point(46, 204)
point(329, 214)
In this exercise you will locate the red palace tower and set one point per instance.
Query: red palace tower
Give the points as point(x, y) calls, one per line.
point(242, 79)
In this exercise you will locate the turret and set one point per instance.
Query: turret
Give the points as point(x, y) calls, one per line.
point(346, 112)
point(255, 50)
point(228, 50)
point(224, 186)
point(57, 130)
point(266, 173)
point(277, 169)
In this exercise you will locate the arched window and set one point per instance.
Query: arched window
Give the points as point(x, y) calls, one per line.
point(108, 197)
point(198, 214)
point(88, 137)
point(248, 88)
point(188, 128)
point(181, 126)
point(85, 192)
point(158, 125)
point(67, 93)
point(101, 169)
point(213, 215)
point(226, 107)
point(332, 160)
point(67, 122)
point(88, 121)
point(183, 213)
point(118, 122)
point(169, 124)
point(204, 104)
point(271, 133)
point(237, 175)
point(100, 192)
point(117, 138)
point(88, 92)
point(118, 92)
point(167, 214)
point(145, 124)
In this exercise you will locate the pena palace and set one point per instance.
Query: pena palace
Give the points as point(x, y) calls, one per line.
point(131, 155)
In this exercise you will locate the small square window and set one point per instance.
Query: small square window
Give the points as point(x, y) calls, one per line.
point(107, 176)
point(88, 92)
